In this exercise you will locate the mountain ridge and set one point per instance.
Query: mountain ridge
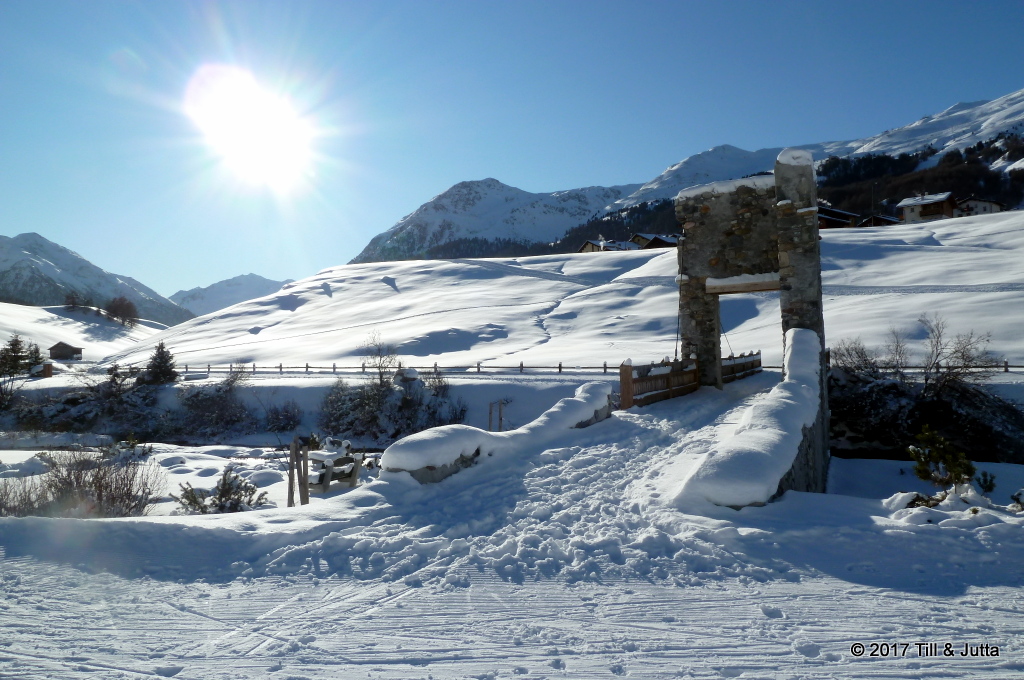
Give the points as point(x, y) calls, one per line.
point(956, 127)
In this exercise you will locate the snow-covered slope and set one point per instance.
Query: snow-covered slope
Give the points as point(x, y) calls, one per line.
point(225, 293)
point(585, 309)
point(46, 326)
point(36, 271)
point(488, 209)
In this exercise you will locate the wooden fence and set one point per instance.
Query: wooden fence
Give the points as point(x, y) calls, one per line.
point(643, 385)
point(735, 368)
point(281, 369)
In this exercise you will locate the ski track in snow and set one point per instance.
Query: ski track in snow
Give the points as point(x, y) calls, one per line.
point(567, 563)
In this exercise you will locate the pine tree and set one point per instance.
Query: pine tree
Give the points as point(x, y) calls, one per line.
point(160, 368)
point(12, 356)
point(33, 357)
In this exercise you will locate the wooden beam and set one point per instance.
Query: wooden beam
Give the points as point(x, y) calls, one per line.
point(750, 287)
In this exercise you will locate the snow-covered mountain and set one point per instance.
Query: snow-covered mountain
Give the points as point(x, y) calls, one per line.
point(35, 271)
point(489, 210)
point(225, 293)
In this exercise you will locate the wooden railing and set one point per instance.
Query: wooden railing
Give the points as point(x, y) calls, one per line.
point(735, 368)
point(643, 385)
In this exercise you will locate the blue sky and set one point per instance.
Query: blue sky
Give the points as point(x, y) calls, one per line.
point(408, 98)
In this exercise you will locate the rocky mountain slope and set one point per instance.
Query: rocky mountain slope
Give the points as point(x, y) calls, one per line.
point(35, 271)
point(225, 293)
point(488, 209)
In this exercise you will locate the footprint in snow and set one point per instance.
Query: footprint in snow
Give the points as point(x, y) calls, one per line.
point(806, 647)
point(771, 612)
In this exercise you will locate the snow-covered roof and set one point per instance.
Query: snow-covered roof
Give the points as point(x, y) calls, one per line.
point(924, 200)
point(727, 186)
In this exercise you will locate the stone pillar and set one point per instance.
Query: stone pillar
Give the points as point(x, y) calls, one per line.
point(699, 328)
point(799, 250)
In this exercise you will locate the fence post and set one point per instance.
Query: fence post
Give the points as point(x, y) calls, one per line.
point(334, 367)
point(478, 367)
point(490, 417)
point(1006, 366)
point(207, 370)
point(625, 386)
point(501, 415)
point(307, 367)
point(364, 367)
point(186, 368)
point(254, 367)
point(435, 367)
point(520, 366)
point(304, 479)
point(559, 366)
point(292, 456)
point(606, 367)
point(280, 369)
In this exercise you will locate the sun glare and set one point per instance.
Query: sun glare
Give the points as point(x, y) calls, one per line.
point(258, 134)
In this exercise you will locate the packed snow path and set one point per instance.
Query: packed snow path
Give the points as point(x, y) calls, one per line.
point(565, 563)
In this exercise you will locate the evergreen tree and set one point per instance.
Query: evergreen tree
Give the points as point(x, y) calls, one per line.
point(12, 356)
point(33, 357)
point(160, 368)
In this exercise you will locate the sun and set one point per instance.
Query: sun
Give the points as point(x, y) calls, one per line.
point(259, 135)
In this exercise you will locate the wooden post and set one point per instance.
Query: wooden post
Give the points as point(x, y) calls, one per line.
point(280, 369)
point(207, 370)
point(304, 476)
point(1006, 365)
point(490, 417)
point(307, 367)
point(606, 367)
point(325, 486)
point(186, 368)
point(291, 472)
point(254, 367)
point(364, 367)
point(478, 367)
point(625, 386)
point(501, 416)
point(559, 366)
point(334, 367)
point(520, 366)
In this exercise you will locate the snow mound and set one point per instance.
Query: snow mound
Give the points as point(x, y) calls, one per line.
point(445, 445)
point(746, 468)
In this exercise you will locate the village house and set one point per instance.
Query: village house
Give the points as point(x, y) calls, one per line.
point(878, 221)
point(832, 218)
point(927, 208)
point(971, 205)
point(63, 350)
point(591, 246)
point(648, 241)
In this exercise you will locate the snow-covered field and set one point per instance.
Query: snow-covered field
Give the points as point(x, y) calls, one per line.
point(568, 562)
point(580, 560)
point(586, 309)
point(96, 335)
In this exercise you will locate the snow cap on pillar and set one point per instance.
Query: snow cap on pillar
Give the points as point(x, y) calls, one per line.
point(796, 157)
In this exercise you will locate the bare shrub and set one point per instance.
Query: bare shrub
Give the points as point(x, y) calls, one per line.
point(852, 356)
point(962, 359)
point(382, 357)
point(284, 418)
point(83, 484)
point(211, 411)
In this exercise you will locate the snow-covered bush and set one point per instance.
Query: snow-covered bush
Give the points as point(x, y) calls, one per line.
point(214, 410)
point(938, 462)
point(285, 417)
point(114, 483)
point(232, 494)
point(384, 412)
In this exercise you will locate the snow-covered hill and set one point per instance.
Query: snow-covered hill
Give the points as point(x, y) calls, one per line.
point(36, 271)
point(95, 334)
point(225, 293)
point(489, 209)
point(585, 309)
